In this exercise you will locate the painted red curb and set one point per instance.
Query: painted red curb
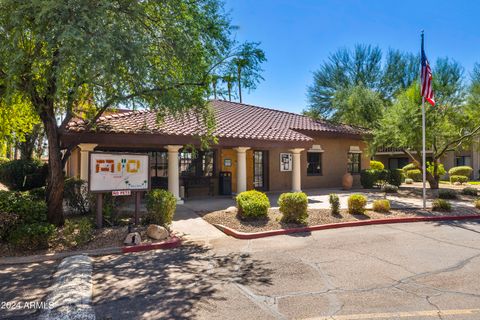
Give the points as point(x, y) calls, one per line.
point(255, 235)
point(168, 244)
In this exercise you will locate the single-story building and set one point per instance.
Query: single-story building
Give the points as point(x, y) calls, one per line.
point(258, 148)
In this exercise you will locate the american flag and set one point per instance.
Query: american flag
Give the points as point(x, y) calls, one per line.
point(426, 79)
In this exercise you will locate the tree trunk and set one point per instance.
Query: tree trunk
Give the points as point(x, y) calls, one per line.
point(239, 69)
point(55, 179)
point(434, 183)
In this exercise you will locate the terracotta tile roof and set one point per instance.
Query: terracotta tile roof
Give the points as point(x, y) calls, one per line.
point(233, 120)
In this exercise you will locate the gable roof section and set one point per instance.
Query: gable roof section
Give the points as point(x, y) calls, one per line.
point(233, 120)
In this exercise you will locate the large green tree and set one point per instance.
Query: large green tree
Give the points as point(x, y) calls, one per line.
point(359, 74)
point(61, 54)
point(451, 124)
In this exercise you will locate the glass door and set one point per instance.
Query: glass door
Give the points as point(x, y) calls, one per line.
point(259, 170)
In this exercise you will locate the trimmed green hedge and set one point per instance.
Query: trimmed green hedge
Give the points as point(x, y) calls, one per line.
point(293, 206)
point(415, 175)
point(370, 178)
point(357, 203)
point(252, 204)
point(461, 179)
point(382, 205)
point(376, 165)
point(460, 171)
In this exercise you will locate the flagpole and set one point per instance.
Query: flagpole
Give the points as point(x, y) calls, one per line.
point(424, 171)
point(424, 165)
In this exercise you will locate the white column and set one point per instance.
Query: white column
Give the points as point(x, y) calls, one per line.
point(173, 172)
point(296, 170)
point(241, 168)
point(85, 148)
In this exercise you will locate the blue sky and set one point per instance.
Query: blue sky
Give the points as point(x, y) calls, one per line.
point(297, 35)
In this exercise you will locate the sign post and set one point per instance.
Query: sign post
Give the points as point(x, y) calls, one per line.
point(118, 173)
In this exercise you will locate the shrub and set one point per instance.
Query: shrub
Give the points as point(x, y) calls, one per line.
point(477, 203)
point(356, 204)
point(32, 236)
point(8, 221)
point(469, 191)
point(39, 194)
point(23, 174)
point(441, 205)
point(77, 232)
point(161, 205)
point(440, 168)
point(293, 206)
point(76, 195)
point(410, 166)
point(368, 178)
point(415, 175)
point(388, 188)
point(460, 179)
point(408, 181)
point(376, 165)
point(25, 206)
point(396, 177)
point(3, 160)
point(252, 204)
point(381, 205)
point(334, 203)
point(447, 194)
point(460, 171)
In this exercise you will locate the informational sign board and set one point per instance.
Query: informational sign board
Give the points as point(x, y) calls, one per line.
point(285, 162)
point(118, 172)
point(119, 193)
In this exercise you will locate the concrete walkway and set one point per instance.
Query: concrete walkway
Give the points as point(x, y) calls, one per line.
point(191, 226)
point(319, 199)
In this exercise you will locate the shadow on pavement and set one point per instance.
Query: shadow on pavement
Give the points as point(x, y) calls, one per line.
point(171, 284)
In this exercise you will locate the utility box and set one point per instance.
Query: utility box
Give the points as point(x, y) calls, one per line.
point(225, 183)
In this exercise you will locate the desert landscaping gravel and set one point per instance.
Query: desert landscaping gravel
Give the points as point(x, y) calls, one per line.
point(318, 217)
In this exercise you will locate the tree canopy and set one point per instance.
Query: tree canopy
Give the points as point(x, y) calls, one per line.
point(67, 57)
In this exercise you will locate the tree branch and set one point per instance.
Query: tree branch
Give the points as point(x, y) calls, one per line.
point(457, 141)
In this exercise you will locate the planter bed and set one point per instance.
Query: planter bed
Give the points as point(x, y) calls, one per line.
point(319, 217)
point(108, 237)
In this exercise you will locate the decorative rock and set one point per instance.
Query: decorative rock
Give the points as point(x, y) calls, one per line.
point(157, 232)
point(457, 183)
point(231, 209)
point(132, 239)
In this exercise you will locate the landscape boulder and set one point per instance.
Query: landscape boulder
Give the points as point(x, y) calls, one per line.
point(157, 232)
point(132, 239)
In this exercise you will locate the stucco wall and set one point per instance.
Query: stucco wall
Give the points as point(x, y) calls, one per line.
point(334, 165)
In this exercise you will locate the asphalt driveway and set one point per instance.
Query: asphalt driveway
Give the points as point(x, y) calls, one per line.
point(402, 271)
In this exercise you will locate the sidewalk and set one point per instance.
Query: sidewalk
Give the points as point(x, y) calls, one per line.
point(188, 224)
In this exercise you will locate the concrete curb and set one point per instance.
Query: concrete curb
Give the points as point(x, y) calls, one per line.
point(255, 235)
point(71, 293)
point(173, 242)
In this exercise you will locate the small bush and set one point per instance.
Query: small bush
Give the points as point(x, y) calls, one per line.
point(8, 221)
point(477, 203)
point(460, 179)
point(368, 178)
point(408, 181)
point(77, 232)
point(293, 206)
point(441, 205)
point(396, 177)
point(469, 191)
point(410, 166)
point(334, 203)
point(23, 174)
point(76, 196)
point(161, 205)
point(28, 209)
point(376, 165)
point(252, 204)
point(460, 171)
point(3, 160)
point(356, 204)
point(388, 188)
point(415, 175)
point(447, 194)
point(440, 168)
point(381, 205)
point(39, 194)
point(32, 236)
